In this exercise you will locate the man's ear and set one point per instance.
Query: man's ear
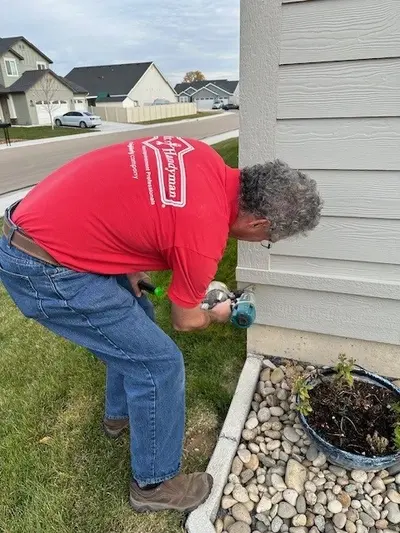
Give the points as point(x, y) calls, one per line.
point(264, 222)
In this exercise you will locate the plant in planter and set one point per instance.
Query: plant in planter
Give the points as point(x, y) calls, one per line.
point(352, 415)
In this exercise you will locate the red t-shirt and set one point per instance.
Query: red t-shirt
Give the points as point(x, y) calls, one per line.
point(160, 203)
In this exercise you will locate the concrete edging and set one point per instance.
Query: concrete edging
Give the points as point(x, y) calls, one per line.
point(202, 519)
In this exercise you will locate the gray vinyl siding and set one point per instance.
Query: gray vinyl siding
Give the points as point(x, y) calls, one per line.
point(333, 111)
point(205, 93)
point(31, 57)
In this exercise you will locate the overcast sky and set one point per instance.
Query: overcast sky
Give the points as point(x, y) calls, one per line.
point(178, 36)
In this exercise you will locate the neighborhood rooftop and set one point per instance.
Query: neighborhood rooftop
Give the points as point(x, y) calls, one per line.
point(115, 80)
point(224, 84)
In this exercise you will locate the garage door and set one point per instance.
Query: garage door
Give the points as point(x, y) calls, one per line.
point(204, 103)
point(80, 104)
point(57, 107)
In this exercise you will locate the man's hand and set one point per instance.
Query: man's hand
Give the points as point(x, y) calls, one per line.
point(134, 279)
point(221, 313)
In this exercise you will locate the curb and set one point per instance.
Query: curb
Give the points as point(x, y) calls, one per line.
point(135, 127)
point(201, 520)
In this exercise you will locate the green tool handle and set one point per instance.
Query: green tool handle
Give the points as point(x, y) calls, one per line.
point(149, 287)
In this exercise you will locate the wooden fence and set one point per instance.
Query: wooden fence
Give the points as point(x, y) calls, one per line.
point(143, 114)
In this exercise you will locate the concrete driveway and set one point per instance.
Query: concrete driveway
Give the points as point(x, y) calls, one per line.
point(24, 166)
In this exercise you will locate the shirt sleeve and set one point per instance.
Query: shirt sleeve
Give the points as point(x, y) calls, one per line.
point(192, 272)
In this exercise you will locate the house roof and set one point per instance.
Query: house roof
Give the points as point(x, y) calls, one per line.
point(225, 85)
point(30, 77)
point(6, 44)
point(109, 79)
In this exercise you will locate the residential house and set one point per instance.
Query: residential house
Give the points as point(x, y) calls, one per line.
point(125, 85)
point(27, 84)
point(325, 79)
point(205, 93)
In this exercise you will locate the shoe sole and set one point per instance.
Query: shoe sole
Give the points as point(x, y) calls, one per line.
point(113, 433)
point(155, 507)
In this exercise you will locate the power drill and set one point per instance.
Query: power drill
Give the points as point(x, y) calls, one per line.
point(243, 302)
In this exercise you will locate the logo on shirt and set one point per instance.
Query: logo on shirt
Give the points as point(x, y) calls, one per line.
point(132, 158)
point(169, 155)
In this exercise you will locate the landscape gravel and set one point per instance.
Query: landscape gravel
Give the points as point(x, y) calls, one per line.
point(281, 483)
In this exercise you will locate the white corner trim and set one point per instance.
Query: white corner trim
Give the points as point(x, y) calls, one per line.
point(201, 520)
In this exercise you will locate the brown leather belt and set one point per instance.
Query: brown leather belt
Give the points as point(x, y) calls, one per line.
point(24, 243)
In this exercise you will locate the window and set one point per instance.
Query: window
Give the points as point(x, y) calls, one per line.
point(11, 67)
point(41, 65)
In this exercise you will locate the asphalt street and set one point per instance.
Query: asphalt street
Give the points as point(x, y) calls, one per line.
point(24, 166)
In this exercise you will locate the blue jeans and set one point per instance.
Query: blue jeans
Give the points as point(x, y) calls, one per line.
point(145, 370)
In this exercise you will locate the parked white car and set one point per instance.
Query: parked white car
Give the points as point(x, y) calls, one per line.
point(80, 119)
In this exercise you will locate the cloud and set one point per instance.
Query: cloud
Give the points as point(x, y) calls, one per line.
point(202, 35)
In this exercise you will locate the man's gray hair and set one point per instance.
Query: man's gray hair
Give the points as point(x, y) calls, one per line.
point(286, 197)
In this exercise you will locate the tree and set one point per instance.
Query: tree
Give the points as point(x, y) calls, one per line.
point(45, 91)
point(193, 75)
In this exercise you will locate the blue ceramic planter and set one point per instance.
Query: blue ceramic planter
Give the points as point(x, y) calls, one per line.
point(352, 461)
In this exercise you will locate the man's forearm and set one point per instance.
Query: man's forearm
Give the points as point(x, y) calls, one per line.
point(197, 319)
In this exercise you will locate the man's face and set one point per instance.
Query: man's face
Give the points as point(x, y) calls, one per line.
point(250, 229)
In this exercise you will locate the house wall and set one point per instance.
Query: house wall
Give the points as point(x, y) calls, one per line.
point(21, 109)
point(151, 86)
point(37, 93)
point(31, 57)
point(322, 93)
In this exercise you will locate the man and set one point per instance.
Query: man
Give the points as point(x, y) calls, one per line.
point(75, 248)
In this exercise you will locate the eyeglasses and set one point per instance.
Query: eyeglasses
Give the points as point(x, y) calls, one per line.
point(267, 245)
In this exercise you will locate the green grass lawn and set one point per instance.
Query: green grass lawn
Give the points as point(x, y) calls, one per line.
point(187, 117)
point(58, 472)
point(41, 132)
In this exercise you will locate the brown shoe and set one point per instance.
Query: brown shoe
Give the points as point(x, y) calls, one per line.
point(182, 493)
point(114, 428)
